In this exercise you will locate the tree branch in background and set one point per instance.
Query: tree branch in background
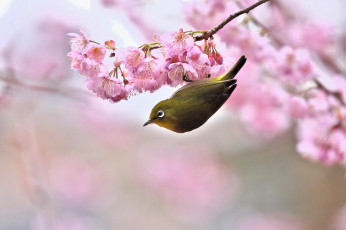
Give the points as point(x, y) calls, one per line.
point(214, 30)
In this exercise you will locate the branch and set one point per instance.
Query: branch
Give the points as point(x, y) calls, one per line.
point(327, 60)
point(337, 95)
point(268, 31)
point(214, 30)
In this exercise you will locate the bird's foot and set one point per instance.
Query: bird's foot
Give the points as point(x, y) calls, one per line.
point(186, 77)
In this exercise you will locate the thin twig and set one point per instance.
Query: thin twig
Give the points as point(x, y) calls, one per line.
point(268, 31)
point(337, 95)
point(326, 59)
point(323, 57)
point(214, 30)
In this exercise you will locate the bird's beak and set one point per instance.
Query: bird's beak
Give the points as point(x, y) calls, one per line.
point(148, 122)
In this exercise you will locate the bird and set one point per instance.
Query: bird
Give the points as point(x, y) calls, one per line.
point(194, 103)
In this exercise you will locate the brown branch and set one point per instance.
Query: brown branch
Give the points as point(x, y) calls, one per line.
point(214, 30)
point(268, 31)
point(337, 95)
point(330, 63)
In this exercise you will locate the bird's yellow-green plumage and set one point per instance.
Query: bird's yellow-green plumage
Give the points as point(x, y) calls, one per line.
point(193, 104)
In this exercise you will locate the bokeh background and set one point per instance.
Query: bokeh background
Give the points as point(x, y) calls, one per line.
point(71, 161)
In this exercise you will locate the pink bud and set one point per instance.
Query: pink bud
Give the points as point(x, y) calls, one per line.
point(218, 58)
point(110, 44)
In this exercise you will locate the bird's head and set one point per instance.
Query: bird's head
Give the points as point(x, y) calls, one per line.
point(163, 115)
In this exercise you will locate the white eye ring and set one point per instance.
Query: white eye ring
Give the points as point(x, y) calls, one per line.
point(160, 114)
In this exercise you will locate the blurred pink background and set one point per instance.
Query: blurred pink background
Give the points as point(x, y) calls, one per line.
point(71, 161)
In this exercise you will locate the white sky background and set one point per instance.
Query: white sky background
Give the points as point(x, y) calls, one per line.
point(101, 24)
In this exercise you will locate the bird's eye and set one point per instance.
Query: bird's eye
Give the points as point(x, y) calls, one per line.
point(160, 114)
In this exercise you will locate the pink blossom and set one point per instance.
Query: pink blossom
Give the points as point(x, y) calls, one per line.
point(178, 43)
point(110, 44)
point(139, 85)
point(78, 42)
point(147, 76)
point(335, 84)
point(148, 68)
point(314, 36)
point(107, 87)
point(319, 140)
point(177, 70)
point(133, 58)
point(294, 66)
point(297, 107)
point(318, 101)
point(194, 53)
point(90, 68)
point(76, 59)
point(96, 52)
point(201, 65)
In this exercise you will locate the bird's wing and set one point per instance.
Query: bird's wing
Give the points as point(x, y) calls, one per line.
point(202, 88)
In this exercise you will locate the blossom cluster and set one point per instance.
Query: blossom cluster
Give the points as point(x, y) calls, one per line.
point(145, 68)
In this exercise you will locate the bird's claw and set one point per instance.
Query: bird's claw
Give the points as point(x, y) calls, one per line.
point(186, 77)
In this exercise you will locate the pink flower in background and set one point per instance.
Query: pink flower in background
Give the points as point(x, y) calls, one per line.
point(78, 42)
point(187, 179)
point(38, 51)
point(294, 66)
point(314, 36)
point(74, 180)
point(318, 102)
point(319, 140)
point(297, 107)
point(207, 14)
point(260, 105)
point(96, 52)
point(339, 219)
point(335, 84)
point(267, 222)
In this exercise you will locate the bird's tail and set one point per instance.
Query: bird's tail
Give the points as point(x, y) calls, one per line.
point(231, 74)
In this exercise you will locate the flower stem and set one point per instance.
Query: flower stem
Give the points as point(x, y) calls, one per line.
point(95, 42)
